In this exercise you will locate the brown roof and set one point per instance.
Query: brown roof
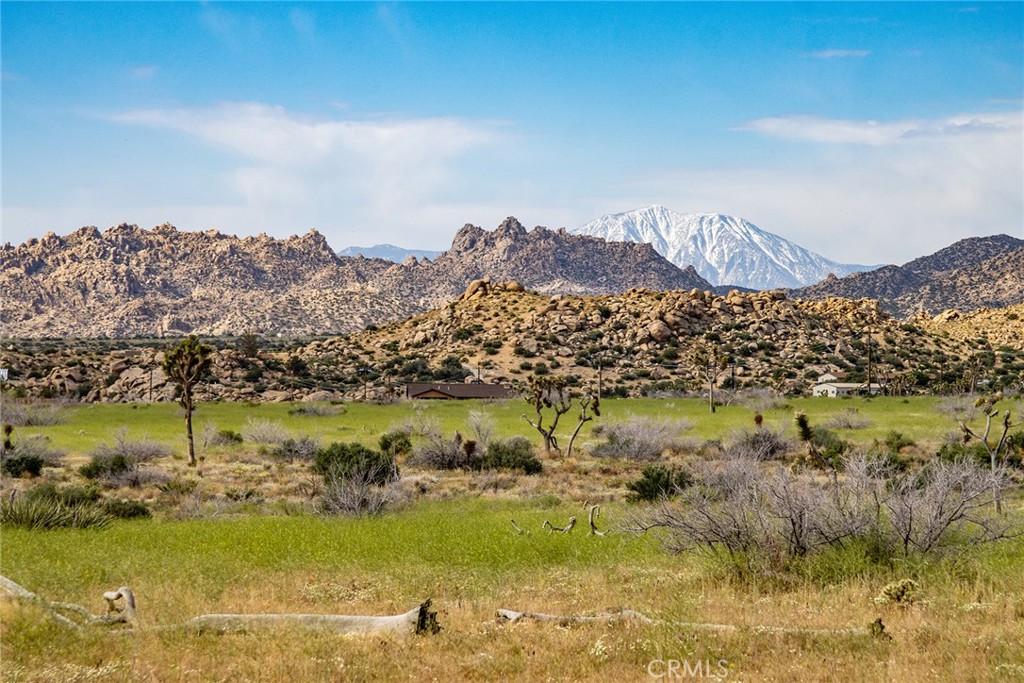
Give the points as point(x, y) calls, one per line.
point(442, 390)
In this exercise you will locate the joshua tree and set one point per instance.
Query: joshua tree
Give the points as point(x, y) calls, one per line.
point(185, 365)
point(548, 393)
point(997, 453)
point(709, 363)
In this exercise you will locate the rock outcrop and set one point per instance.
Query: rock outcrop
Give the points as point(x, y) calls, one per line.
point(131, 282)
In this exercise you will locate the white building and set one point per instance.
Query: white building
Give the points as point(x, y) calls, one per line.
point(833, 389)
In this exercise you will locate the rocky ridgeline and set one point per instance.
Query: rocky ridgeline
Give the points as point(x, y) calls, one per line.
point(638, 340)
point(131, 282)
point(980, 272)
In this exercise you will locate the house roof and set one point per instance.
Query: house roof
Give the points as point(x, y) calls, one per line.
point(456, 390)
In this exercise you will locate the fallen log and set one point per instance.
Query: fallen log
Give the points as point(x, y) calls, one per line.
point(418, 620)
point(876, 629)
point(511, 616)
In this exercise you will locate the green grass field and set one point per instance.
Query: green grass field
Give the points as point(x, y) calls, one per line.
point(456, 545)
point(88, 425)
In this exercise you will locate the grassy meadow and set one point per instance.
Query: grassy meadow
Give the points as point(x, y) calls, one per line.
point(455, 544)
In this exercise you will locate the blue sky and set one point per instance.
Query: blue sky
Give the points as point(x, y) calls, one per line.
point(869, 132)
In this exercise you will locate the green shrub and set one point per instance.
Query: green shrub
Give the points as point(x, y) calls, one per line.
point(443, 454)
point(395, 442)
point(896, 441)
point(340, 460)
point(103, 465)
point(303, 449)
point(68, 495)
point(23, 465)
point(121, 508)
point(512, 454)
point(229, 436)
point(657, 482)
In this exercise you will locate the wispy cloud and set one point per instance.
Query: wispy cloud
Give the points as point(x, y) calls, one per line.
point(834, 54)
point(878, 133)
point(901, 189)
point(380, 171)
point(144, 72)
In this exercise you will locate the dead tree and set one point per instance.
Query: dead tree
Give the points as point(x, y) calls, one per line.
point(595, 512)
point(561, 529)
point(996, 453)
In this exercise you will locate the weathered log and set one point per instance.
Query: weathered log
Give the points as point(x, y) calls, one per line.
point(519, 530)
point(595, 511)
point(512, 616)
point(561, 529)
point(418, 620)
point(875, 629)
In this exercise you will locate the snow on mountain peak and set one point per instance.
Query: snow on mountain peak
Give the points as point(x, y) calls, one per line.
point(725, 250)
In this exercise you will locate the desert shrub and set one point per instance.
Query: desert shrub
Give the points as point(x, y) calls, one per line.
point(482, 425)
point(512, 454)
point(753, 517)
point(896, 441)
point(22, 465)
point(220, 437)
point(303, 448)
point(263, 431)
point(178, 487)
point(37, 446)
point(121, 463)
point(848, 418)
point(44, 513)
point(317, 410)
point(657, 482)
point(762, 400)
point(121, 508)
point(439, 453)
point(68, 495)
point(355, 462)
point(395, 442)
point(35, 413)
point(902, 592)
point(640, 438)
point(760, 445)
point(359, 492)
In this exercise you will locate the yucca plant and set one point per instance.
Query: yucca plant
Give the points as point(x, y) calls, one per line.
point(44, 513)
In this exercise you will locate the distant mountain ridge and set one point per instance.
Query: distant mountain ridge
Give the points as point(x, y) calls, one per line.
point(724, 250)
point(389, 252)
point(131, 282)
point(973, 273)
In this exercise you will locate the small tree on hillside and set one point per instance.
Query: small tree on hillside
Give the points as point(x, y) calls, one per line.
point(185, 365)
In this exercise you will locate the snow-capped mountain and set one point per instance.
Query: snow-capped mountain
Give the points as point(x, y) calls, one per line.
point(389, 252)
point(725, 250)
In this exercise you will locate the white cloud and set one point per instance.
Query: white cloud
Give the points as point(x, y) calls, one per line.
point(357, 172)
point(844, 131)
point(833, 54)
point(144, 73)
point(872, 191)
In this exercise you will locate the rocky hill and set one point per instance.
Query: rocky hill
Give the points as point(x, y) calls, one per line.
point(131, 282)
point(970, 274)
point(635, 343)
